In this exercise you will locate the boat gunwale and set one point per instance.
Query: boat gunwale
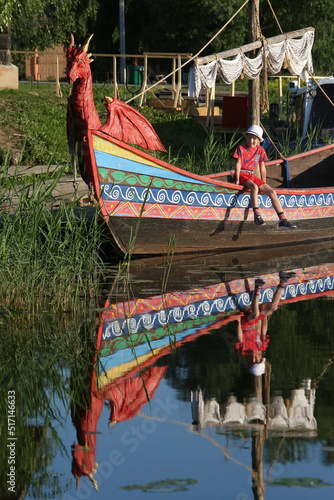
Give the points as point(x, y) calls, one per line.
point(209, 179)
point(162, 163)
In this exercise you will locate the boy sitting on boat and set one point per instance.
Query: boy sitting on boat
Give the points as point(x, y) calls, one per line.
point(248, 157)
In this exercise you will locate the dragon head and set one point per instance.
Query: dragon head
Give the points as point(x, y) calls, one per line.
point(78, 61)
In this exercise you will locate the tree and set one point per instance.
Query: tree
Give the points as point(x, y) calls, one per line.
point(163, 26)
point(38, 24)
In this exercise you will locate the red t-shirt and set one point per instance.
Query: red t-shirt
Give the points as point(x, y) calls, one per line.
point(250, 157)
point(251, 339)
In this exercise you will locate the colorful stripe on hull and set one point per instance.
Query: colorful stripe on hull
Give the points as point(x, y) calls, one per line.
point(128, 180)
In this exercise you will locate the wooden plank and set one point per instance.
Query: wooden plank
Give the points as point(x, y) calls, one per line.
point(252, 46)
point(36, 169)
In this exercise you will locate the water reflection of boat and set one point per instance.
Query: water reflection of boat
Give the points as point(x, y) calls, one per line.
point(178, 315)
point(133, 335)
point(125, 395)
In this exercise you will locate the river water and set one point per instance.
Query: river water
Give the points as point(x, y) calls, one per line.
point(170, 388)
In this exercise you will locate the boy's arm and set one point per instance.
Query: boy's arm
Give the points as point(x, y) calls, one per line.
point(263, 171)
point(239, 331)
point(237, 170)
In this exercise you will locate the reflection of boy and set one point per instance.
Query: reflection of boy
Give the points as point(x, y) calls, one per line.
point(248, 157)
point(252, 326)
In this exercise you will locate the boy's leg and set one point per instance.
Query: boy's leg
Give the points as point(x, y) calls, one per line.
point(283, 221)
point(256, 299)
point(284, 277)
point(253, 195)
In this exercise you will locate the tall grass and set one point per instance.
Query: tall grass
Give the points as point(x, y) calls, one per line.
point(290, 147)
point(49, 255)
point(215, 155)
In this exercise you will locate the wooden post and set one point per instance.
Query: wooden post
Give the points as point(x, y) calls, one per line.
point(173, 78)
point(115, 77)
point(122, 42)
point(177, 94)
point(280, 99)
point(211, 108)
point(207, 98)
point(142, 99)
point(58, 89)
point(254, 85)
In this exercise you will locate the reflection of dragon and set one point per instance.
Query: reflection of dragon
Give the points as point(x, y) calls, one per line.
point(123, 121)
point(126, 396)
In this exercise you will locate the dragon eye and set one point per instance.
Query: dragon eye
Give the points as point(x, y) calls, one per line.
point(79, 61)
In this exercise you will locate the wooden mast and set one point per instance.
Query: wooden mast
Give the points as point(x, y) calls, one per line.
point(254, 34)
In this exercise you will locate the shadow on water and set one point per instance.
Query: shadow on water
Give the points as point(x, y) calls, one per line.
point(225, 354)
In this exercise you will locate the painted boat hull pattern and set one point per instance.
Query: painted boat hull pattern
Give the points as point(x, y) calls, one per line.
point(152, 207)
point(149, 325)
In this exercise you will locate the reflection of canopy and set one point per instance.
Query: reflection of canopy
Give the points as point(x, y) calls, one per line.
point(296, 53)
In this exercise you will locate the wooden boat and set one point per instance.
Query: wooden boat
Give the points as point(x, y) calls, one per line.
point(152, 207)
point(143, 196)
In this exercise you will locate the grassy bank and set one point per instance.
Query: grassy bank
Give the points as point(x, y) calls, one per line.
point(33, 125)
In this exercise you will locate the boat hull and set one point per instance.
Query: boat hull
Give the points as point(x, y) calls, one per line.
point(155, 236)
point(151, 206)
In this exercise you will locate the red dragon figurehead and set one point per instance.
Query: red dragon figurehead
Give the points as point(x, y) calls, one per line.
point(78, 61)
point(123, 121)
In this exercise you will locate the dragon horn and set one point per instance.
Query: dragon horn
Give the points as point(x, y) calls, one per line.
point(85, 47)
point(72, 43)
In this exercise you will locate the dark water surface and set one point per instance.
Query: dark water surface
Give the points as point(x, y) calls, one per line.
point(166, 390)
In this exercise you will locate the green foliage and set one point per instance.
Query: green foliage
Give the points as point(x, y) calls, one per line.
point(7, 8)
point(156, 27)
point(46, 23)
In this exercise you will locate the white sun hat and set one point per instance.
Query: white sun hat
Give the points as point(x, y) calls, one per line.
point(258, 368)
point(255, 130)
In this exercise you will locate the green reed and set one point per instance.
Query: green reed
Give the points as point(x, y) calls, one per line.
point(215, 155)
point(47, 361)
point(49, 252)
point(290, 147)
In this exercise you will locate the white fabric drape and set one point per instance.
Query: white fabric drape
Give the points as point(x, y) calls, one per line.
point(296, 52)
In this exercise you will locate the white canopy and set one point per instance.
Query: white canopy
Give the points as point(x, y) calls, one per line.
point(295, 52)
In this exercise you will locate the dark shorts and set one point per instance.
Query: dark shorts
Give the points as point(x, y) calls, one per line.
point(245, 176)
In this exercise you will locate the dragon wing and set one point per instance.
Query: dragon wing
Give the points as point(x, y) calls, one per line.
point(128, 125)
